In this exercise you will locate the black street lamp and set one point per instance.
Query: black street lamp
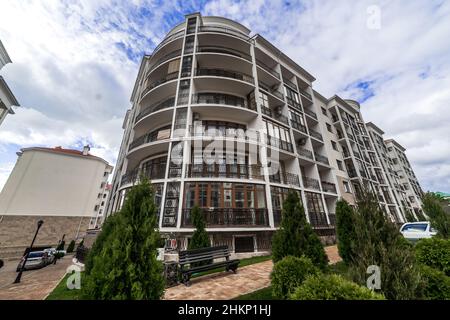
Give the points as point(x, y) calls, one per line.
point(39, 225)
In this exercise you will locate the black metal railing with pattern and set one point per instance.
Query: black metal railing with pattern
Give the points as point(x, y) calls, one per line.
point(171, 55)
point(273, 115)
point(293, 103)
point(285, 178)
point(271, 91)
point(328, 187)
point(229, 217)
point(225, 74)
point(315, 134)
point(311, 183)
point(267, 68)
point(221, 98)
point(147, 138)
point(305, 153)
point(225, 30)
point(157, 171)
point(232, 171)
point(167, 78)
point(298, 126)
point(165, 104)
point(224, 50)
point(322, 159)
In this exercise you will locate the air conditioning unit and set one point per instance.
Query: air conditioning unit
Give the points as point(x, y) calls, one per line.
point(301, 142)
point(196, 116)
point(278, 111)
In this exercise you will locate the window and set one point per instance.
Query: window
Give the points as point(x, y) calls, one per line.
point(102, 185)
point(264, 99)
point(105, 174)
point(324, 111)
point(329, 128)
point(96, 207)
point(339, 164)
point(346, 187)
point(335, 147)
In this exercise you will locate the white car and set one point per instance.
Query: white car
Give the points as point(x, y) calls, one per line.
point(414, 231)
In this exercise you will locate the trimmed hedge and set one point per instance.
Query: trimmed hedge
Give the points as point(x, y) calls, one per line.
point(332, 287)
point(435, 253)
point(435, 284)
point(289, 273)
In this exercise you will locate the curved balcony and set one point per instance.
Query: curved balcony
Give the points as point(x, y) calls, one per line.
point(224, 74)
point(169, 77)
point(223, 30)
point(168, 39)
point(165, 104)
point(224, 50)
point(222, 106)
point(158, 172)
point(229, 217)
point(226, 133)
point(155, 65)
point(228, 171)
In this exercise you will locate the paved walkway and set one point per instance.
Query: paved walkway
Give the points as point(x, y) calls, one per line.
point(226, 285)
point(35, 284)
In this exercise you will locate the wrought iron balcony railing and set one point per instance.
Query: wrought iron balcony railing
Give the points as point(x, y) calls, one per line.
point(293, 103)
point(221, 98)
point(168, 103)
point(311, 183)
point(274, 92)
point(229, 217)
point(148, 138)
point(225, 50)
point(321, 159)
point(267, 68)
point(311, 113)
point(285, 178)
point(306, 94)
point(223, 30)
point(298, 126)
point(305, 153)
point(225, 74)
point(157, 171)
point(163, 59)
point(328, 187)
point(233, 171)
point(168, 77)
point(273, 115)
point(315, 134)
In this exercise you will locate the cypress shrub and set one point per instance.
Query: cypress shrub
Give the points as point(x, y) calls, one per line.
point(126, 266)
point(200, 238)
point(439, 219)
point(345, 230)
point(71, 246)
point(296, 236)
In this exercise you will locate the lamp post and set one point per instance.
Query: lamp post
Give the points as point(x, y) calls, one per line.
point(39, 225)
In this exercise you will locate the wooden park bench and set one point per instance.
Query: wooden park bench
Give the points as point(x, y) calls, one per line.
point(198, 260)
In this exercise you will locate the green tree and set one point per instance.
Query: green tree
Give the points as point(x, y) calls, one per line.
point(296, 236)
point(378, 242)
point(125, 267)
point(345, 230)
point(200, 238)
point(439, 219)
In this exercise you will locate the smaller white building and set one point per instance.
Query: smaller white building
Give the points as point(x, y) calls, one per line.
point(63, 187)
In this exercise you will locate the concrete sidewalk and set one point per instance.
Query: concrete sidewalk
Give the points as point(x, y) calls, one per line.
point(35, 284)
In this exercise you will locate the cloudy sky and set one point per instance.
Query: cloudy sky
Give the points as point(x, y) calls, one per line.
point(75, 62)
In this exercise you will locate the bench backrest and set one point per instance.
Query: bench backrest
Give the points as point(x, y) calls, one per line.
point(203, 254)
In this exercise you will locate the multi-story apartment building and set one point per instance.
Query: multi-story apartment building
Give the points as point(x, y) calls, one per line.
point(59, 186)
point(7, 99)
point(97, 221)
point(210, 86)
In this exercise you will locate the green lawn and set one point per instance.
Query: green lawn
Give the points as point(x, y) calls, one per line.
point(61, 292)
point(262, 294)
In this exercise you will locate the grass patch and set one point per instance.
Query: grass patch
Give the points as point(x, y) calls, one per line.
point(61, 292)
point(243, 263)
point(261, 294)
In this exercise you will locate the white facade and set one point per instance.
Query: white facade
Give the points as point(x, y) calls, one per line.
point(208, 78)
point(54, 182)
point(7, 99)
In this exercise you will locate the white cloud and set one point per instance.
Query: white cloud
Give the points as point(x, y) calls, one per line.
point(74, 82)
